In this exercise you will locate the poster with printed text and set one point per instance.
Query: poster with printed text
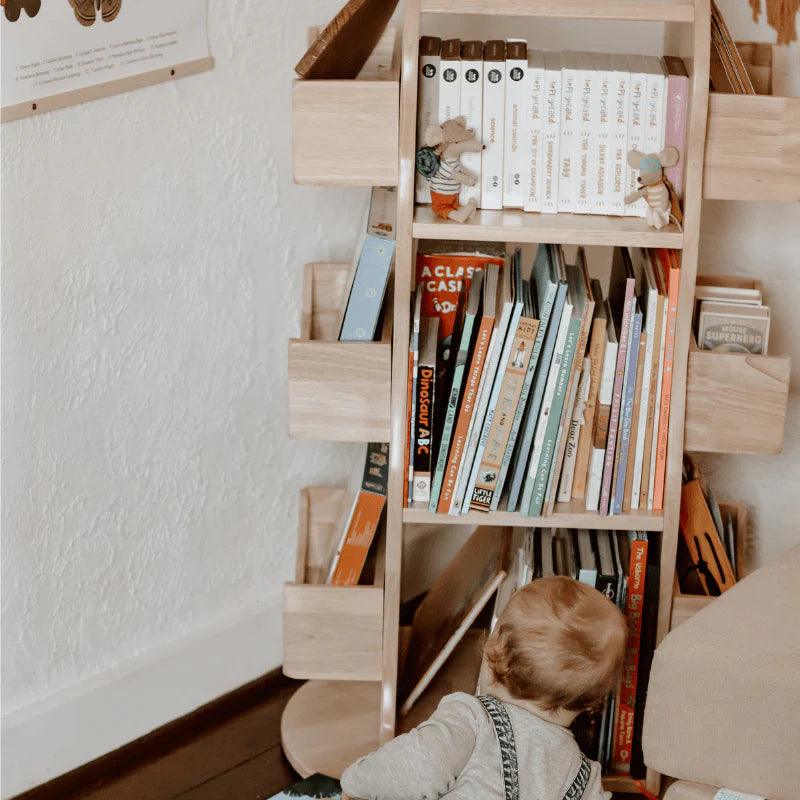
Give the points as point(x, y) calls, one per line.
point(60, 52)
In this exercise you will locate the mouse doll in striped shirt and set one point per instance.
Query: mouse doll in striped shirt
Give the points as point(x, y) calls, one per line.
point(440, 162)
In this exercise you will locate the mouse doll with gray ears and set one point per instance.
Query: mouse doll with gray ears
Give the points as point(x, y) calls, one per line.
point(662, 202)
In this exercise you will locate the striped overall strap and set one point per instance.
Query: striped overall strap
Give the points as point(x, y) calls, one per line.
point(498, 715)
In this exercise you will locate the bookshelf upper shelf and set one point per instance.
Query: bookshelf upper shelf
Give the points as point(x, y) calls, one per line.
point(643, 10)
point(567, 515)
point(516, 226)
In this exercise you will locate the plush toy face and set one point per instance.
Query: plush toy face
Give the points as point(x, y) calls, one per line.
point(454, 131)
point(652, 165)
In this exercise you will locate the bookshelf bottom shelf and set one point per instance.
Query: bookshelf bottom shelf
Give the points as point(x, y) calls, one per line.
point(327, 725)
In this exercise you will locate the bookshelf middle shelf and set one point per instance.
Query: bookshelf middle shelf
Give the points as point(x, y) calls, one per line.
point(514, 225)
point(567, 515)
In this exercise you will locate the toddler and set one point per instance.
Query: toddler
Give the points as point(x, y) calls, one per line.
point(556, 651)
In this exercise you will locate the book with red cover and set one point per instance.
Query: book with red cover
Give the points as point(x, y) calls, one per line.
point(670, 268)
point(441, 276)
point(472, 382)
point(626, 699)
point(365, 515)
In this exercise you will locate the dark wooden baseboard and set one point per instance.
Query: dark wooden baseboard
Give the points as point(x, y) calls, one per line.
point(110, 766)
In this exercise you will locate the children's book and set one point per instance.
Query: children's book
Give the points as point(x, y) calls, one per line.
point(494, 117)
point(455, 378)
point(514, 155)
point(425, 408)
point(450, 80)
point(472, 111)
point(430, 58)
point(411, 395)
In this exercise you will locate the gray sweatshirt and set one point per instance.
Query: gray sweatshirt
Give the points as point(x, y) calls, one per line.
point(455, 754)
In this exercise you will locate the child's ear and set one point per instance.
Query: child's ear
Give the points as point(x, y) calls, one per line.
point(635, 158)
point(434, 135)
point(669, 157)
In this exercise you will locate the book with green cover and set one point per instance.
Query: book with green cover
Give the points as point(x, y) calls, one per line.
point(459, 364)
point(553, 422)
point(551, 294)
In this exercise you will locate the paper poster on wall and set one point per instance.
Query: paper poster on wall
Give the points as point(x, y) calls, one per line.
point(61, 52)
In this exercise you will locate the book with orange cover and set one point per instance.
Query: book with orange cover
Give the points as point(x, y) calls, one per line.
point(365, 515)
point(626, 698)
point(670, 268)
point(473, 379)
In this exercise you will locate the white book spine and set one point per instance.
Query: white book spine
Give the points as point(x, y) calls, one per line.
point(449, 90)
point(547, 402)
point(600, 148)
point(427, 112)
point(620, 89)
point(576, 420)
point(510, 330)
point(654, 447)
point(636, 132)
point(472, 110)
point(570, 77)
point(655, 114)
point(494, 92)
point(605, 396)
point(533, 132)
point(587, 122)
point(652, 300)
point(552, 132)
point(514, 154)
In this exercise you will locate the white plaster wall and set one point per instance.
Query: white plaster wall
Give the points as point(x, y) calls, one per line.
point(152, 252)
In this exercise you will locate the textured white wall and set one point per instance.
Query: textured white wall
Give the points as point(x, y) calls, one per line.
point(152, 253)
point(153, 246)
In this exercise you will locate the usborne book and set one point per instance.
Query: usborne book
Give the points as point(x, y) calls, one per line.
point(636, 130)
point(588, 111)
point(430, 57)
point(620, 98)
point(601, 144)
point(423, 447)
point(472, 379)
point(455, 379)
point(472, 110)
point(494, 118)
point(514, 164)
point(364, 518)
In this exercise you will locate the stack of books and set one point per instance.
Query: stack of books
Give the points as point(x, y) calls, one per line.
point(625, 568)
point(557, 126)
point(731, 319)
point(528, 386)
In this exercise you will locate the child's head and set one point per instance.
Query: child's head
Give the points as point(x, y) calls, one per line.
point(558, 643)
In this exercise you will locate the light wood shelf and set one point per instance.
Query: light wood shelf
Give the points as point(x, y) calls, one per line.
point(338, 391)
point(642, 10)
point(567, 515)
point(512, 225)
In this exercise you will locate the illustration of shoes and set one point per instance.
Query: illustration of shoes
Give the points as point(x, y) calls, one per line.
point(84, 11)
point(109, 9)
point(13, 8)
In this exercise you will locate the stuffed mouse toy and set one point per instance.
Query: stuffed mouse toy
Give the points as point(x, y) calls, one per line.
point(440, 162)
point(662, 204)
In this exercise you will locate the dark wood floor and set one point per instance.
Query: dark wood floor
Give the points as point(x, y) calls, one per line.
point(227, 751)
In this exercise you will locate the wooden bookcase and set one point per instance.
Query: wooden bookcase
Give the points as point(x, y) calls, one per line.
point(346, 641)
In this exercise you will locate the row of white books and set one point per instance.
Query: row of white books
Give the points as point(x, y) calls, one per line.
point(556, 126)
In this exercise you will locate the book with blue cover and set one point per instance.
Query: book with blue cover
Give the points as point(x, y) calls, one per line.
point(368, 290)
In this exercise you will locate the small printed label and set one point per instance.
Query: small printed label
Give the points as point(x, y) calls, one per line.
point(449, 75)
point(494, 75)
point(472, 75)
point(516, 74)
point(730, 794)
point(428, 70)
